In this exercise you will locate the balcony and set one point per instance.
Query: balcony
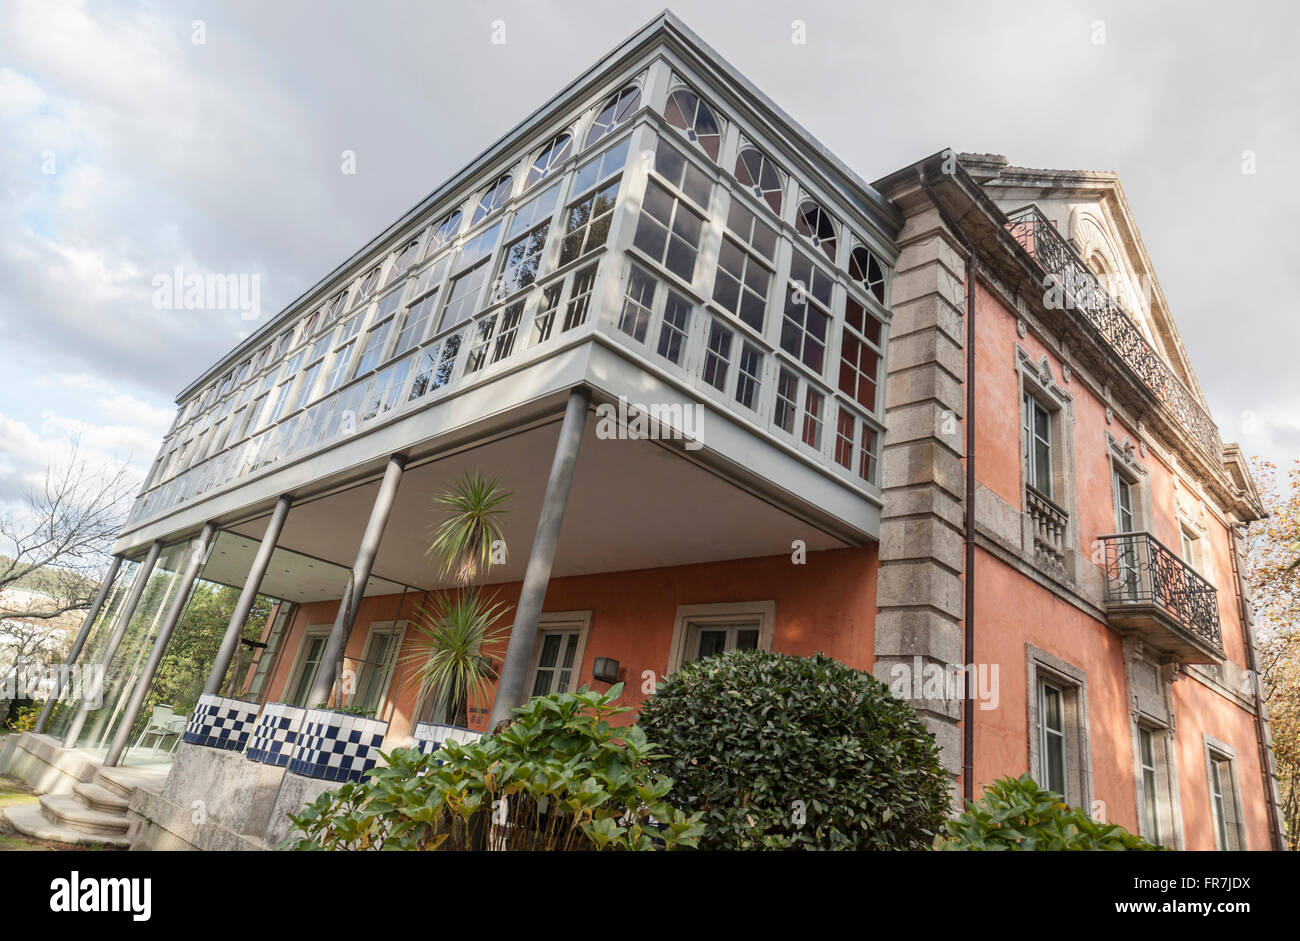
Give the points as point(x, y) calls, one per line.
point(1084, 293)
point(1153, 593)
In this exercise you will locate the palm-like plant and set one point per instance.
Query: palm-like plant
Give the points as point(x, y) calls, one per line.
point(462, 543)
point(454, 632)
point(449, 651)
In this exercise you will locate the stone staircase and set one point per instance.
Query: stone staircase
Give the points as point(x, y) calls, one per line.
point(94, 814)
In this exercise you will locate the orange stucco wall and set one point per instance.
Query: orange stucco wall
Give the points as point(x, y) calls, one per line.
point(1012, 610)
point(826, 604)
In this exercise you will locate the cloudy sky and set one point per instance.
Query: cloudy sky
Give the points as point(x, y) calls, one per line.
point(129, 148)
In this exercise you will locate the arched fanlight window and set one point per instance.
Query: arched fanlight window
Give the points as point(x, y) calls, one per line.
point(756, 171)
point(615, 111)
point(687, 110)
point(548, 158)
point(405, 258)
point(446, 231)
point(816, 223)
point(493, 199)
point(866, 269)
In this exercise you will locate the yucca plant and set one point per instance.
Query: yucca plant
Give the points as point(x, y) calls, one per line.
point(453, 634)
point(463, 543)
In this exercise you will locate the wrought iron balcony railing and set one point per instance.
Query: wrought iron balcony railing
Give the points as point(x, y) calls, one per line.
point(1084, 293)
point(1141, 572)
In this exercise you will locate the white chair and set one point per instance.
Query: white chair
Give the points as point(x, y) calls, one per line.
point(161, 724)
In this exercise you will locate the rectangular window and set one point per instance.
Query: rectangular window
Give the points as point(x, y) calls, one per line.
point(586, 225)
point(575, 315)
point(717, 358)
point(806, 317)
point(637, 302)
point(544, 319)
point(713, 638)
point(1150, 792)
point(787, 400)
point(537, 211)
point(682, 173)
point(867, 453)
point(845, 434)
point(749, 376)
point(1223, 802)
point(436, 364)
point(668, 231)
point(463, 296)
point(1123, 503)
point(376, 669)
point(741, 284)
point(758, 235)
point(672, 331)
point(556, 661)
point(482, 333)
point(309, 658)
point(859, 355)
point(507, 331)
point(812, 418)
point(1038, 445)
point(415, 322)
point(1051, 742)
point(339, 367)
point(598, 168)
point(520, 261)
point(373, 351)
point(1190, 547)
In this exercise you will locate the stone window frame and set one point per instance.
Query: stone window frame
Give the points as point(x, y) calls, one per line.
point(555, 621)
point(1036, 378)
point(1073, 681)
point(1122, 459)
point(1216, 750)
point(1159, 720)
point(689, 614)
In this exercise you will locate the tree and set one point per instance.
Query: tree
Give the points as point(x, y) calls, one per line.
point(57, 541)
point(1274, 583)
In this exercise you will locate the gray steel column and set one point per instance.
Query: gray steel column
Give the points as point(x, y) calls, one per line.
point(348, 605)
point(230, 642)
point(198, 553)
point(523, 635)
point(101, 596)
point(115, 639)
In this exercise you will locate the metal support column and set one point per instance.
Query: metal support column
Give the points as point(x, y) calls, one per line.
point(198, 553)
point(348, 605)
point(523, 635)
point(115, 639)
point(230, 642)
point(105, 587)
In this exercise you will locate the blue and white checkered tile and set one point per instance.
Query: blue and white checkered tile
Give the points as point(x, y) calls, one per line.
point(334, 746)
point(428, 737)
point(275, 735)
point(219, 722)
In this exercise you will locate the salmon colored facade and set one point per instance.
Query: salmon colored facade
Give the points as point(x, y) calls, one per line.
point(824, 605)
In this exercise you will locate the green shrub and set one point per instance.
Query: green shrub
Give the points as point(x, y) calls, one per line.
point(560, 776)
point(1017, 814)
point(782, 752)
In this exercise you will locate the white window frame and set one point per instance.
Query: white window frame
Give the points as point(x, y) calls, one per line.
point(555, 622)
point(1073, 682)
point(689, 616)
point(1229, 832)
point(379, 628)
point(300, 659)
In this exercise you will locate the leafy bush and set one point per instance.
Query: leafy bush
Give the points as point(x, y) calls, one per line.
point(782, 752)
point(1017, 814)
point(560, 776)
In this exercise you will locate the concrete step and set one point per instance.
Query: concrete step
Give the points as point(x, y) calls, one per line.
point(66, 811)
point(123, 781)
point(98, 797)
point(30, 821)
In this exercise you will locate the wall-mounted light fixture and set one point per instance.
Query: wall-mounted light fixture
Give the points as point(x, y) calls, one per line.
point(605, 670)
